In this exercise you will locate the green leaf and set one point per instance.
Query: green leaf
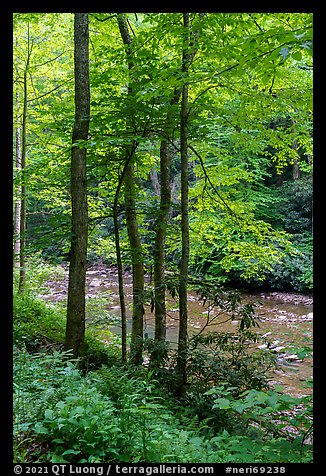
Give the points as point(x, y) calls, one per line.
point(48, 414)
point(40, 429)
point(222, 403)
point(70, 452)
point(77, 411)
point(197, 441)
point(58, 459)
point(239, 407)
point(297, 55)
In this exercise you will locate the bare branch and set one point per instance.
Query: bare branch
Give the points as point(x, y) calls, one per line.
point(210, 182)
point(103, 19)
point(48, 61)
point(49, 92)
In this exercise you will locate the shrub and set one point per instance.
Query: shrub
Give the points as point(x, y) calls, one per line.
point(72, 421)
point(61, 416)
point(36, 323)
point(71, 418)
point(38, 271)
point(294, 273)
point(97, 353)
point(288, 419)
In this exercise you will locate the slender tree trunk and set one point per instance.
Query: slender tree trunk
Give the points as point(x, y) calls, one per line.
point(159, 255)
point(120, 268)
point(183, 280)
point(18, 165)
point(155, 181)
point(22, 227)
point(136, 345)
point(75, 328)
point(120, 282)
point(295, 169)
point(166, 154)
point(189, 51)
point(18, 198)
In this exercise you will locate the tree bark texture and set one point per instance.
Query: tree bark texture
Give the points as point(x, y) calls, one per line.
point(189, 50)
point(120, 282)
point(18, 165)
point(166, 154)
point(136, 344)
point(159, 255)
point(17, 216)
point(22, 227)
point(120, 267)
point(295, 169)
point(75, 327)
point(183, 279)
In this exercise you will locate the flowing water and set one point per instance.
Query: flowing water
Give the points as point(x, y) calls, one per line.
point(286, 318)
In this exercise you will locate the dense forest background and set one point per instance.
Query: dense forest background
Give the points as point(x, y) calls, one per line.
point(250, 122)
point(176, 147)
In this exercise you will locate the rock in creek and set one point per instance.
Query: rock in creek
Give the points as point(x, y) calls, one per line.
point(95, 282)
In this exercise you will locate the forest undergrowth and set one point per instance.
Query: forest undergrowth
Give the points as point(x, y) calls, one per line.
point(98, 410)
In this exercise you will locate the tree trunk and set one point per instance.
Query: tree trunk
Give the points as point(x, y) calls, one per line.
point(120, 268)
point(18, 199)
point(166, 154)
point(155, 181)
point(136, 345)
point(189, 51)
point(295, 169)
point(22, 227)
point(75, 328)
point(18, 165)
point(159, 255)
point(183, 279)
point(120, 282)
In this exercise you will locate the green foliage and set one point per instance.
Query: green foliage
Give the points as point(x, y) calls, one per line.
point(229, 358)
point(271, 450)
point(251, 114)
point(40, 375)
point(36, 323)
point(228, 237)
point(253, 256)
point(296, 205)
point(74, 422)
point(38, 272)
point(97, 353)
point(70, 414)
point(102, 249)
point(293, 273)
point(119, 414)
point(111, 415)
point(250, 123)
point(296, 270)
point(287, 418)
point(82, 427)
point(159, 352)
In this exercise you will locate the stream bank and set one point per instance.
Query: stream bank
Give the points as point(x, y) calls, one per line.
point(286, 318)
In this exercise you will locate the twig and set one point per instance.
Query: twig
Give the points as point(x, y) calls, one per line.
point(210, 182)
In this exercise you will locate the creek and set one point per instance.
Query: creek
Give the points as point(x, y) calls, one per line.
point(286, 318)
